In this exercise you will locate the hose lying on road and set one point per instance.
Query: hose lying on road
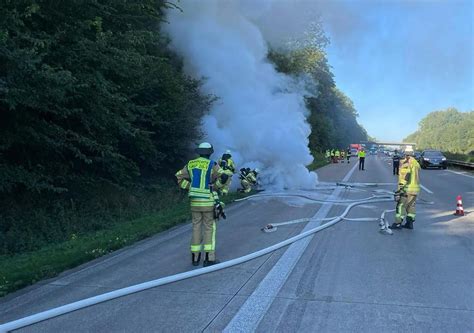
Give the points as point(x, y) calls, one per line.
point(26, 321)
point(271, 227)
point(284, 195)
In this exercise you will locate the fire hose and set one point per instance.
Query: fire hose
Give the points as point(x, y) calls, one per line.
point(61, 310)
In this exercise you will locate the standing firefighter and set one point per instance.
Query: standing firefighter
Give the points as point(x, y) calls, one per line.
point(396, 162)
point(197, 177)
point(342, 155)
point(348, 155)
point(408, 189)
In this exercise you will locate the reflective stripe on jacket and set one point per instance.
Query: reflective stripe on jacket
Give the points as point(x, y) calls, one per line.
point(200, 174)
point(408, 178)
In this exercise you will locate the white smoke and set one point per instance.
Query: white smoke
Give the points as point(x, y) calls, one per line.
point(260, 115)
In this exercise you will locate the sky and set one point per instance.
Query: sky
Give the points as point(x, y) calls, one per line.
point(400, 60)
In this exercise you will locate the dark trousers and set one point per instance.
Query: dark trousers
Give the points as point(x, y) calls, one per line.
point(396, 167)
point(361, 163)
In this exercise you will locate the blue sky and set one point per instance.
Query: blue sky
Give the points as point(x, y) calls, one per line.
point(400, 60)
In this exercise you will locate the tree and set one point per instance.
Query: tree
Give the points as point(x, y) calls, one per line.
point(448, 130)
point(333, 117)
point(90, 98)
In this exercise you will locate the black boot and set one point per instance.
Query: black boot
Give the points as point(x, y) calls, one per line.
point(409, 223)
point(396, 226)
point(208, 262)
point(196, 258)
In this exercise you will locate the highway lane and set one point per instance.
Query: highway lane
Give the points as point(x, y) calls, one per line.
point(352, 278)
point(349, 277)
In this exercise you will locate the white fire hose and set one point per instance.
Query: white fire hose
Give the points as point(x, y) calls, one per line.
point(58, 311)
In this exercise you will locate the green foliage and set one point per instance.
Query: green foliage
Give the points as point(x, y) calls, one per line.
point(319, 161)
point(333, 117)
point(91, 100)
point(448, 130)
point(20, 270)
point(26, 268)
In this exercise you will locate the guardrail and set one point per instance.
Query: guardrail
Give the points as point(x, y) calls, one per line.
point(461, 164)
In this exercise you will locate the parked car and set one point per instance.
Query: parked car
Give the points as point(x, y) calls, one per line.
point(433, 158)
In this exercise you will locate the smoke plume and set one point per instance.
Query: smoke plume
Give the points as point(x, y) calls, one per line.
point(260, 114)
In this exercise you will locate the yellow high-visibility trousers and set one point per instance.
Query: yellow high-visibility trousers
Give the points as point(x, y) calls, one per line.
point(204, 233)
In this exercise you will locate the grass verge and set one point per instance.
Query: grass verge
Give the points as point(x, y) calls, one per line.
point(20, 270)
point(319, 161)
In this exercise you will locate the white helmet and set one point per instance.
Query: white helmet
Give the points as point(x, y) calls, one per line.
point(205, 148)
point(228, 152)
point(257, 170)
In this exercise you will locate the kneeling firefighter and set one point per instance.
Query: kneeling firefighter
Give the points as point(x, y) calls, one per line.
point(197, 177)
point(248, 178)
point(408, 190)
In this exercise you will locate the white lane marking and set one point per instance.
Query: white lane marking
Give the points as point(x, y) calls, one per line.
point(427, 190)
point(256, 306)
point(459, 173)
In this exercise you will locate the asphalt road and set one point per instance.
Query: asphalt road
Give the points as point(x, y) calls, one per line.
point(348, 277)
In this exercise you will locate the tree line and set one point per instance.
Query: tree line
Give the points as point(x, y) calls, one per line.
point(333, 117)
point(96, 114)
point(447, 130)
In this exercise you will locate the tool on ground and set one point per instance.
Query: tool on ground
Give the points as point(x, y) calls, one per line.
point(384, 225)
point(219, 211)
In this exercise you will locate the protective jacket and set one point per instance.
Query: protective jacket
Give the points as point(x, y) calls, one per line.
point(396, 158)
point(408, 179)
point(361, 153)
point(227, 163)
point(197, 177)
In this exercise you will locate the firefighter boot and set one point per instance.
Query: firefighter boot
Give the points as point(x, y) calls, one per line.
point(208, 262)
point(396, 226)
point(409, 223)
point(196, 258)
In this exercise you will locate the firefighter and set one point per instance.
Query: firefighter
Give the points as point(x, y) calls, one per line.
point(342, 155)
point(348, 155)
point(361, 155)
point(328, 155)
point(197, 177)
point(407, 192)
point(396, 162)
point(338, 155)
point(226, 163)
point(248, 178)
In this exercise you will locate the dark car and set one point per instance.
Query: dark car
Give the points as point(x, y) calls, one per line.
point(433, 159)
point(417, 155)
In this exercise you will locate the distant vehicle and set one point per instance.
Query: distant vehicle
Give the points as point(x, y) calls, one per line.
point(408, 149)
point(355, 147)
point(433, 158)
point(417, 155)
